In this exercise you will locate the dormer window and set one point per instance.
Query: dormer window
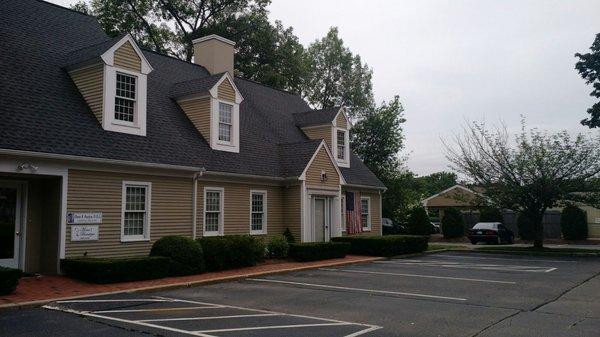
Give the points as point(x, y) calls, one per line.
point(125, 98)
point(225, 122)
point(341, 144)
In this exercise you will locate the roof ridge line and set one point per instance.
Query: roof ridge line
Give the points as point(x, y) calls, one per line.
point(67, 8)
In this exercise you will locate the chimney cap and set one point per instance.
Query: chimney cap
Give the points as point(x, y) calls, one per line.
point(213, 36)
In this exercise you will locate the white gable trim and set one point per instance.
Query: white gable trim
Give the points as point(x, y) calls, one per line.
point(109, 56)
point(337, 169)
point(343, 112)
point(425, 201)
point(214, 90)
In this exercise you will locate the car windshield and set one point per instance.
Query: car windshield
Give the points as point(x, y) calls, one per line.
point(486, 225)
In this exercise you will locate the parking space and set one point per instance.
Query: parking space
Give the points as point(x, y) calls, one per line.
point(445, 294)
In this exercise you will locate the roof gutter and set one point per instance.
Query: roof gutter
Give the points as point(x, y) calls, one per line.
point(366, 186)
point(251, 176)
point(98, 160)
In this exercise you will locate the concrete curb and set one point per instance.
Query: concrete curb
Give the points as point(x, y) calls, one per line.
point(30, 304)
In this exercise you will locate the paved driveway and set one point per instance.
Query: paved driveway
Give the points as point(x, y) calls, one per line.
point(445, 294)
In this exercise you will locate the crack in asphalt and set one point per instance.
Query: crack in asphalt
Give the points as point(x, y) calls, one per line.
point(563, 293)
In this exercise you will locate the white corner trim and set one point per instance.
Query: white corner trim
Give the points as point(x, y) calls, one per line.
point(214, 91)
point(265, 214)
point(146, 235)
point(109, 56)
point(221, 230)
point(215, 37)
point(333, 161)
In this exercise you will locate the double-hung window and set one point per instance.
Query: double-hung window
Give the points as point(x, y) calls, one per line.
point(125, 98)
point(213, 211)
point(225, 122)
point(341, 144)
point(365, 215)
point(258, 212)
point(135, 223)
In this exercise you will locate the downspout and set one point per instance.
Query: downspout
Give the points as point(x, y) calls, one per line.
point(197, 176)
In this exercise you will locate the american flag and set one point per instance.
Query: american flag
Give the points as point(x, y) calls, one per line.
point(353, 213)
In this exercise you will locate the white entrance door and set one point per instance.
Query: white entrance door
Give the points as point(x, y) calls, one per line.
point(10, 223)
point(321, 219)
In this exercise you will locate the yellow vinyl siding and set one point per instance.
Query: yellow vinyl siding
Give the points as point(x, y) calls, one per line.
point(90, 82)
point(322, 163)
point(341, 121)
point(126, 57)
point(90, 191)
point(236, 217)
point(292, 211)
point(322, 132)
point(226, 91)
point(198, 111)
point(375, 214)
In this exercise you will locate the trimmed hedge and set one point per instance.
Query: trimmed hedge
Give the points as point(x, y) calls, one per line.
point(9, 279)
point(289, 236)
point(573, 223)
point(453, 224)
point(278, 247)
point(418, 222)
point(185, 254)
point(232, 251)
point(314, 251)
point(389, 245)
point(107, 270)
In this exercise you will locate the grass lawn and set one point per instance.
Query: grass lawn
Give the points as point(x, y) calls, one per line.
point(537, 251)
point(434, 246)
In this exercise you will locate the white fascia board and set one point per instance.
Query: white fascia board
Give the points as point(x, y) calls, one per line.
point(214, 90)
point(109, 56)
point(337, 169)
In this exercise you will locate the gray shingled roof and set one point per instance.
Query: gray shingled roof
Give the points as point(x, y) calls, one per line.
point(195, 86)
point(89, 53)
point(41, 109)
point(316, 117)
point(295, 156)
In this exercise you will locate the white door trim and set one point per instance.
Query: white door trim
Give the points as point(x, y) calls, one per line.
point(18, 258)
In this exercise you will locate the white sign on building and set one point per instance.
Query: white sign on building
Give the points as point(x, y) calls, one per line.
point(84, 233)
point(75, 218)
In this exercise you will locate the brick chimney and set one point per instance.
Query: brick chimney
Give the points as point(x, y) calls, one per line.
point(215, 53)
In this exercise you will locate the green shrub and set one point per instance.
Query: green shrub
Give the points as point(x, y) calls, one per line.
point(490, 214)
point(418, 222)
point(314, 251)
point(389, 245)
point(453, 224)
point(573, 223)
point(231, 251)
point(185, 254)
point(278, 247)
point(100, 270)
point(9, 279)
point(525, 226)
point(289, 236)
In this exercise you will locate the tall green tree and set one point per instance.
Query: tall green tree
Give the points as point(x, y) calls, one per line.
point(540, 171)
point(436, 182)
point(337, 76)
point(267, 53)
point(588, 67)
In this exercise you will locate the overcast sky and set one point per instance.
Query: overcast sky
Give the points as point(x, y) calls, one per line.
point(451, 61)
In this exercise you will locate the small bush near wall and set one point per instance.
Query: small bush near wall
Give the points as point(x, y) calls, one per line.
point(573, 223)
point(9, 279)
point(278, 247)
point(314, 251)
point(185, 254)
point(289, 236)
point(389, 245)
point(453, 224)
point(232, 251)
point(101, 270)
point(418, 222)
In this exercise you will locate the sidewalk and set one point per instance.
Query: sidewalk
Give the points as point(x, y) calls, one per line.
point(39, 290)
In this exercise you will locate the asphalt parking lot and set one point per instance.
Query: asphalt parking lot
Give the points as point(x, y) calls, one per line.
point(444, 294)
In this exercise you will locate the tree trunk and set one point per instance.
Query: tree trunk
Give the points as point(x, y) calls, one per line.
point(538, 232)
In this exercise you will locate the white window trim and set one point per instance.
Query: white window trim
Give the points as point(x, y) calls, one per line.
point(265, 221)
point(346, 161)
point(368, 227)
point(215, 143)
point(146, 236)
point(231, 135)
point(220, 231)
point(109, 122)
